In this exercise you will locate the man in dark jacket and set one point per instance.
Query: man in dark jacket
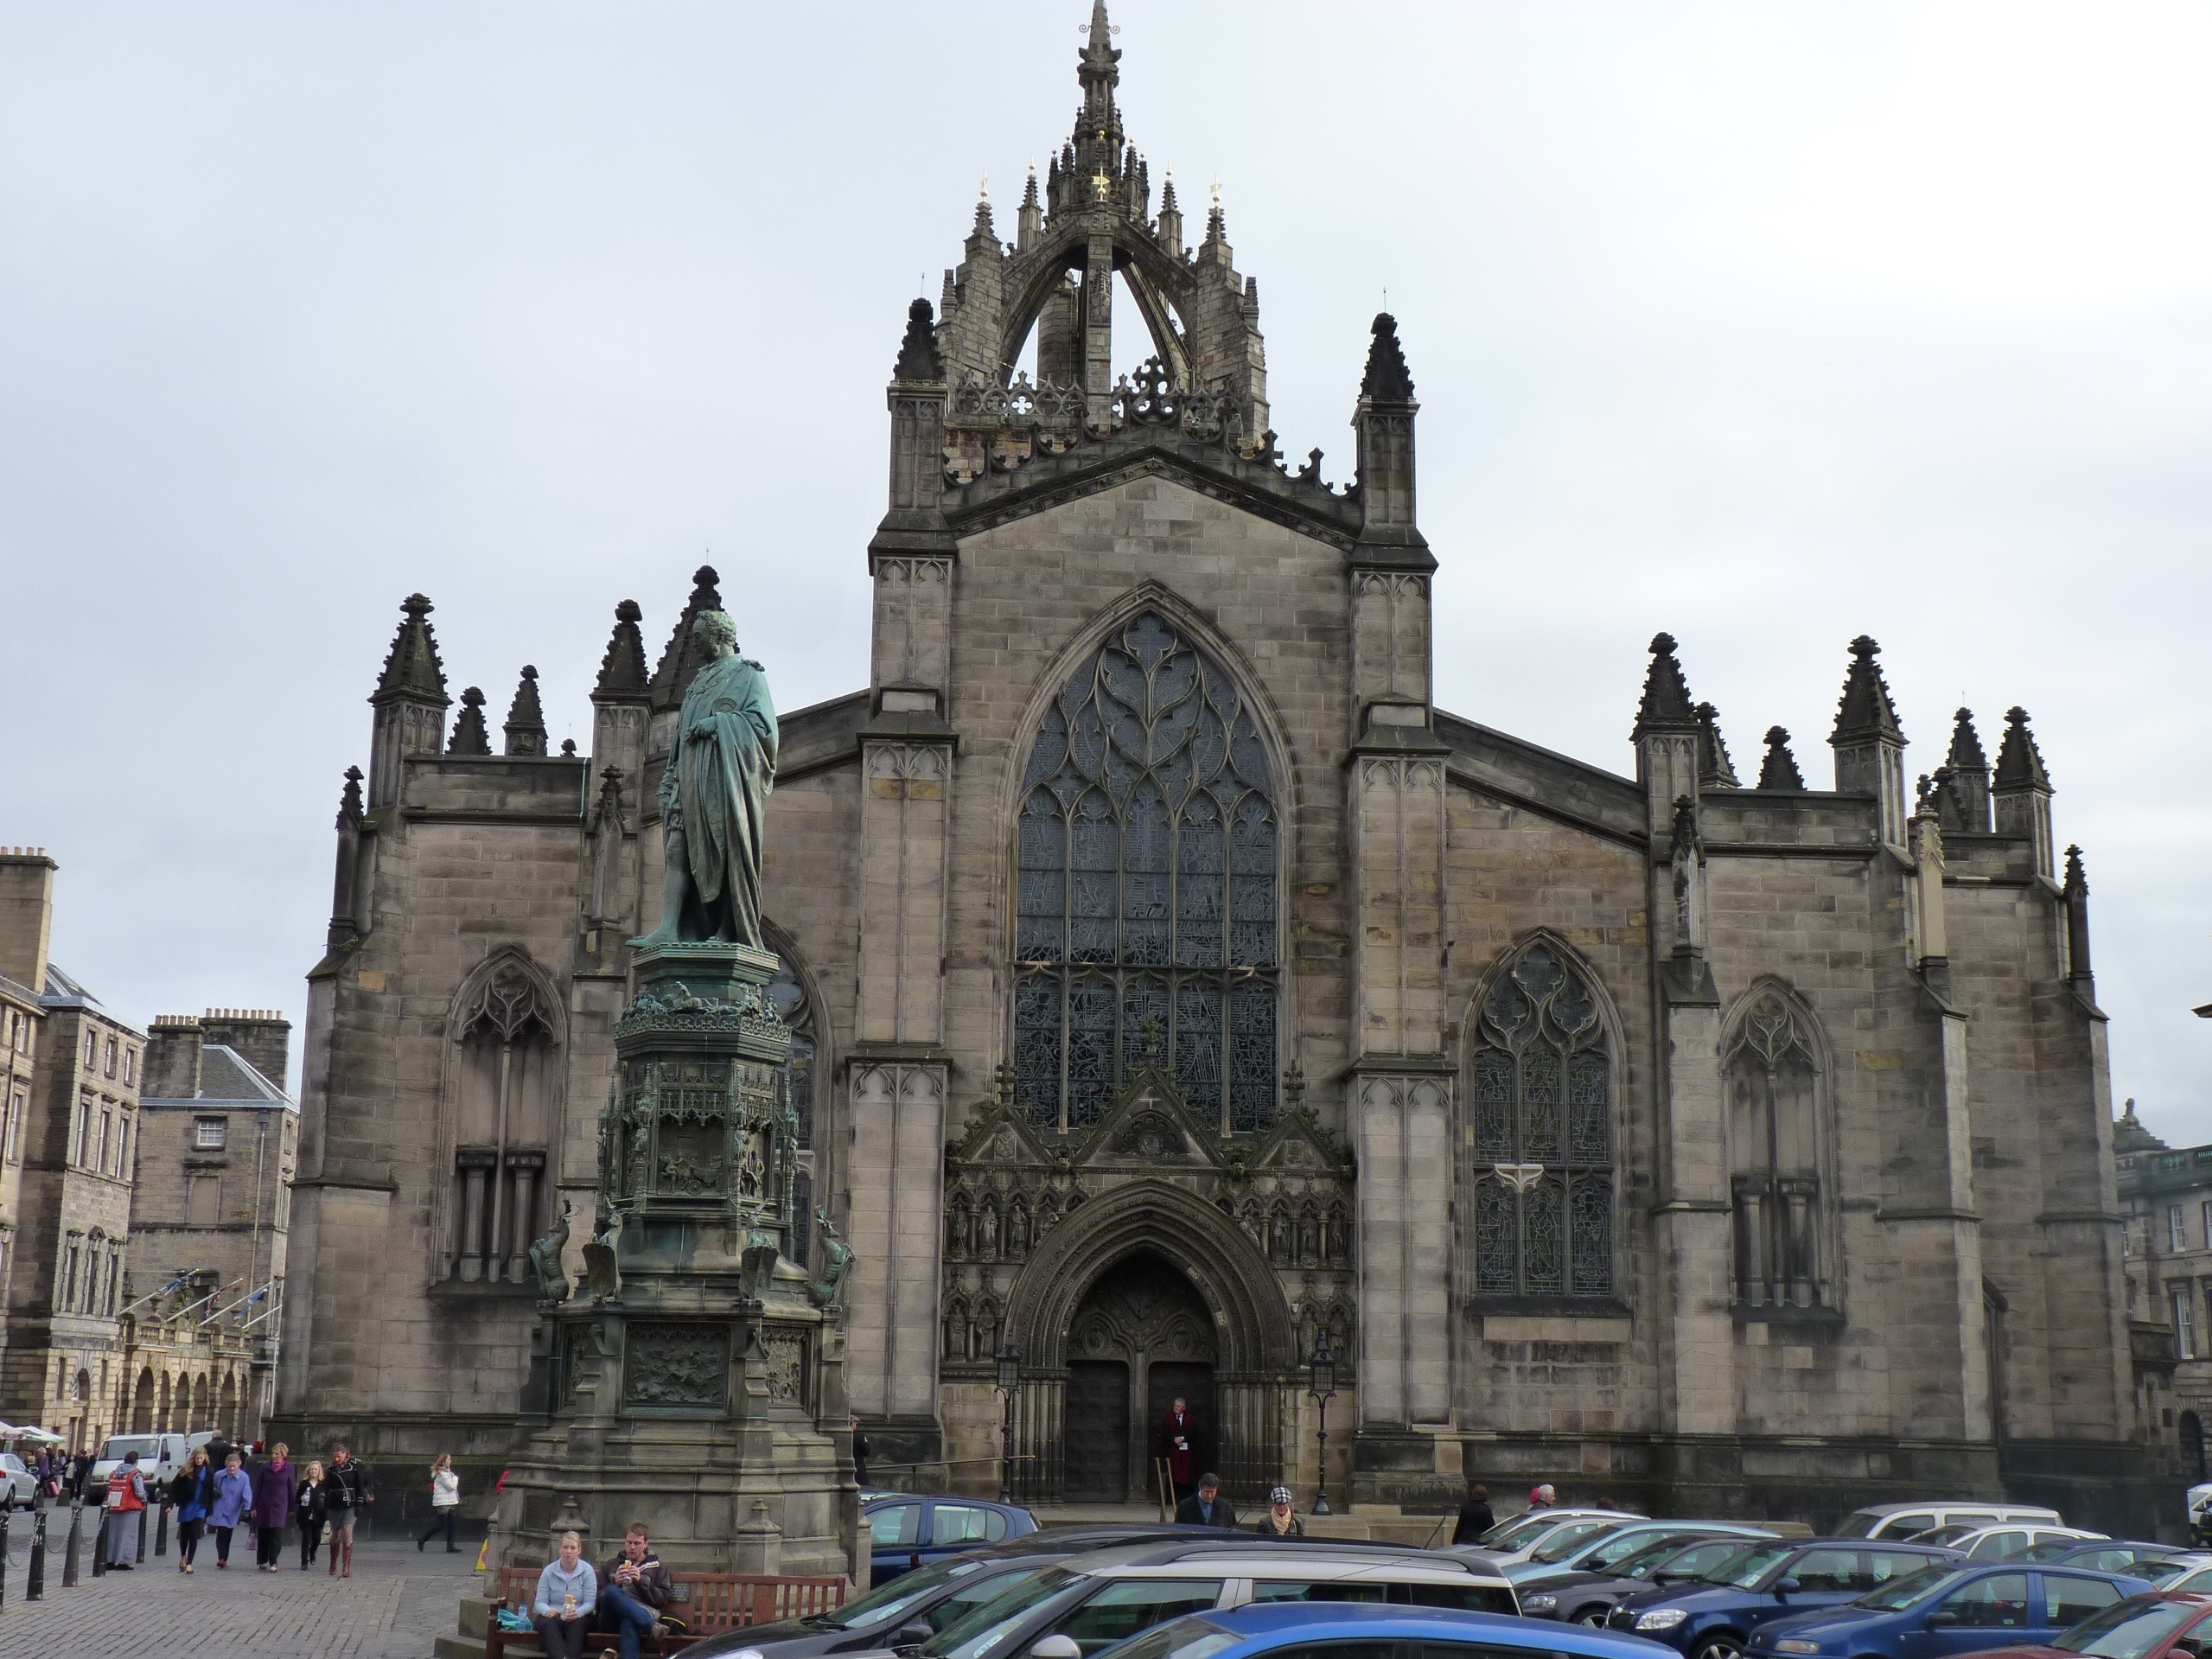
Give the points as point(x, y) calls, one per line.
point(634, 1588)
point(1475, 1516)
point(1207, 1507)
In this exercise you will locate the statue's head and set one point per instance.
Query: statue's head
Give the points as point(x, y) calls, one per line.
point(716, 632)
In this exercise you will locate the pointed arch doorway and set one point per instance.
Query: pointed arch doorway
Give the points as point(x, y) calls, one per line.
point(1141, 1337)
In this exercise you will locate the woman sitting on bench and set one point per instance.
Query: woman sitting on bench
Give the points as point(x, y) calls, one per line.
point(567, 1594)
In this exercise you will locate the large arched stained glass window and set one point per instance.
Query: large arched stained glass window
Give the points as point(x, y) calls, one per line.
point(1540, 1104)
point(1145, 898)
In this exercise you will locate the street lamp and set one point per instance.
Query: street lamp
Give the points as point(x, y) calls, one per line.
point(1009, 1379)
point(1322, 1367)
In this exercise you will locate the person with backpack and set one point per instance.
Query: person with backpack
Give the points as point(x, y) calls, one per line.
point(346, 1485)
point(125, 1506)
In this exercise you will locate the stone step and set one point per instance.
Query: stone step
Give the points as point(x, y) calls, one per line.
point(459, 1647)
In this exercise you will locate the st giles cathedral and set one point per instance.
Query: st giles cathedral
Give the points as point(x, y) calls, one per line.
point(1178, 990)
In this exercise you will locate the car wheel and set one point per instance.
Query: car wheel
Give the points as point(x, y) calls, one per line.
point(1592, 1618)
point(1721, 1644)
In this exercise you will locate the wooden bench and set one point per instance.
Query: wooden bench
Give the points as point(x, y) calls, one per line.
point(707, 1604)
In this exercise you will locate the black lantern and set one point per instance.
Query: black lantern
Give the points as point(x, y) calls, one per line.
point(1322, 1369)
point(1009, 1381)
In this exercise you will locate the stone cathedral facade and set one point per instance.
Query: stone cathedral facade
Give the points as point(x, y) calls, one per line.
point(1177, 986)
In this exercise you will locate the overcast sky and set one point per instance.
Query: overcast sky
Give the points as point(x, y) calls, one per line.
point(1765, 325)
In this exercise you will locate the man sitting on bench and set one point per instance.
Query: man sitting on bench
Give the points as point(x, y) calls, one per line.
point(634, 1588)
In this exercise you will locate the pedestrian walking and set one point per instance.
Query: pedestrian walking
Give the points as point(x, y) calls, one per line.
point(78, 1469)
point(346, 1490)
point(193, 1492)
point(445, 1499)
point(1207, 1507)
point(1546, 1496)
point(273, 1506)
point(126, 1501)
point(633, 1590)
point(568, 1591)
point(1475, 1516)
point(311, 1509)
point(234, 1497)
point(1281, 1520)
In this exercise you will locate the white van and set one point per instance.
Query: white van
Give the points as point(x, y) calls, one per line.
point(159, 1457)
point(1901, 1521)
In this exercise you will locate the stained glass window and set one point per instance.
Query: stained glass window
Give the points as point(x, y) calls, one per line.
point(1146, 888)
point(1539, 1125)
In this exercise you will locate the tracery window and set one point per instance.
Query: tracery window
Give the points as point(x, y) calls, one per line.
point(1775, 1138)
point(1146, 888)
point(507, 1078)
point(789, 995)
point(1540, 1100)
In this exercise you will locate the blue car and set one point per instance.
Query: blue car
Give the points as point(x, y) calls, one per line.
point(1715, 1617)
point(909, 1530)
point(1946, 1610)
point(1349, 1629)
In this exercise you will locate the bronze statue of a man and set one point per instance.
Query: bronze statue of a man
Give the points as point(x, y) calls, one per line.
point(713, 794)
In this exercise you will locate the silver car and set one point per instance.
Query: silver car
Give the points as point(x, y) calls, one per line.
point(21, 1488)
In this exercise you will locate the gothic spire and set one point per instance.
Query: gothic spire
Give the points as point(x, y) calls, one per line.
point(2019, 763)
point(1864, 710)
point(1715, 769)
point(526, 718)
point(1779, 769)
point(412, 668)
point(679, 662)
point(1966, 745)
point(1388, 378)
point(919, 362)
point(469, 737)
point(622, 671)
point(1666, 694)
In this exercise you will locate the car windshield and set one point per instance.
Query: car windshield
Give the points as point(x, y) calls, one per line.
point(1188, 1637)
point(1956, 1530)
point(991, 1623)
point(1613, 1555)
point(1569, 1538)
point(1747, 1566)
point(2196, 1580)
point(1900, 1593)
point(2050, 1550)
point(1518, 1531)
point(2128, 1629)
point(1860, 1525)
point(120, 1446)
point(887, 1601)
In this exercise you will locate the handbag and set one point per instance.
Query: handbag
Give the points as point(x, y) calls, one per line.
point(510, 1620)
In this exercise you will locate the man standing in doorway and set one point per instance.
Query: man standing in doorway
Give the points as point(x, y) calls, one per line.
point(1178, 1439)
point(1207, 1507)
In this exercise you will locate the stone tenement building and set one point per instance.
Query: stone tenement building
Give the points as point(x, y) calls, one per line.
point(1182, 987)
point(2165, 1195)
point(99, 1338)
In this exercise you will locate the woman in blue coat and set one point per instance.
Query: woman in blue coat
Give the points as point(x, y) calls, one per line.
point(193, 1492)
point(233, 1499)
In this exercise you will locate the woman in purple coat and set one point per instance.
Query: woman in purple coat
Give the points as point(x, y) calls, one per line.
point(272, 1505)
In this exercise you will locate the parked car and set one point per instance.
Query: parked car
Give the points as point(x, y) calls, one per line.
point(160, 1456)
point(1957, 1608)
point(2190, 1577)
point(18, 1486)
point(1093, 1601)
point(2002, 1543)
point(1522, 1536)
point(2144, 1560)
point(1716, 1617)
point(916, 1605)
point(1585, 1597)
point(2142, 1627)
point(1905, 1520)
point(1265, 1631)
point(908, 1531)
point(1598, 1552)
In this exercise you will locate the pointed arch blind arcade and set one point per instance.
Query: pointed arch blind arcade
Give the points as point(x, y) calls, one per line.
point(1147, 888)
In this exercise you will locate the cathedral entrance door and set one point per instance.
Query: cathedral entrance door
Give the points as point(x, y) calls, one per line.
point(1098, 1429)
point(1144, 1323)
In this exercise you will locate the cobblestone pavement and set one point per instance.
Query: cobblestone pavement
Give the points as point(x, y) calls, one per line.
point(395, 1605)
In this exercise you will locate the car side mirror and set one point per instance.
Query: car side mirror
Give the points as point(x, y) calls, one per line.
point(1943, 1616)
point(1787, 1586)
point(1055, 1646)
point(913, 1634)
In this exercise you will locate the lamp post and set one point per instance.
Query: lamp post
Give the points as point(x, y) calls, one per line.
point(1009, 1379)
point(1321, 1368)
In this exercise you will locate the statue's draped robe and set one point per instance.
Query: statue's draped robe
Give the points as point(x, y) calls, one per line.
point(718, 782)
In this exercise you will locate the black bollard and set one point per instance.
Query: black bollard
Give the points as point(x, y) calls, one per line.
point(4, 1554)
point(160, 1531)
point(142, 1538)
point(69, 1553)
point(34, 1584)
point(99, 1542)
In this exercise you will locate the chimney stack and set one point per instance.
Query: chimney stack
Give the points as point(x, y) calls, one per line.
point(262, 1036)
point(172, 1070)
point(26, 915)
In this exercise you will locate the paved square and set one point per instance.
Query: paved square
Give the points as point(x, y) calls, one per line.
point(396, 1604)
